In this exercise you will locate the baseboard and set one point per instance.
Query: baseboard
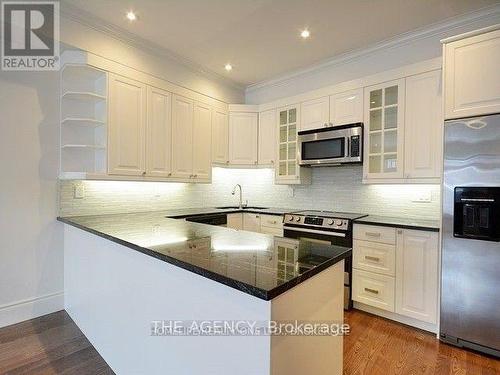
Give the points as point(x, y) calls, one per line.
point(20, 311)
point(396, 317)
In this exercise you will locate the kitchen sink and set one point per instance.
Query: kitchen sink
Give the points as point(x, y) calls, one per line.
point(236, 207)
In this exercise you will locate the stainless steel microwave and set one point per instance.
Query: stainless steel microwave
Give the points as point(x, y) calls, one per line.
point(331, 146)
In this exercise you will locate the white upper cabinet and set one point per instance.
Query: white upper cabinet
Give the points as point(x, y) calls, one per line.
point(182, 137)
point(346, 107)
point(267, 137)
point(220, 137)
point(202, 140)
point(159, 133)
point(472, 76)
point(243, 130)
point(314, 114)
point(417, 274)
point(423, 126)
point(384, 130)
point(127, 125)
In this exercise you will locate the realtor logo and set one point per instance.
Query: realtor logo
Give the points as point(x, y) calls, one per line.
point(30, 35)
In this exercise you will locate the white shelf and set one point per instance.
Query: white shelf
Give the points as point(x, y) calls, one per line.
point(82, 121)
point(82, 95)
point(95, 147)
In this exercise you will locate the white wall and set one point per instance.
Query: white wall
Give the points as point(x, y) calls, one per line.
point(337, 188)
point(31, 240)
point(404, 50)
point(77, 35)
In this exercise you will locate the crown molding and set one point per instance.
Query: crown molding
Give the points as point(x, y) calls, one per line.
point(490, 13)
point(76, 14)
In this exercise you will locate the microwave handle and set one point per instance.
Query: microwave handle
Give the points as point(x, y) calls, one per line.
point(348, 145)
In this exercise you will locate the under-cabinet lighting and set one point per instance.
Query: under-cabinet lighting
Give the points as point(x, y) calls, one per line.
point(131, 16)
point(305, 34)
point(228, 67)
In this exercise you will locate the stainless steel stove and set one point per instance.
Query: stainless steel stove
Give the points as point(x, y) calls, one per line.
point(333, 228)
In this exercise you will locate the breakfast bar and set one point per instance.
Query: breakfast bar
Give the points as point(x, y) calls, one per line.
point(129, 276)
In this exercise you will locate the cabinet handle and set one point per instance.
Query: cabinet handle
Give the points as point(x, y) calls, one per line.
point(372, 234)
point(272, 161)
point(143, 173)
point(375, 259)
point(255, 162)
point(400, 231)
point(170, 174)
point(325, 125)
point(371, 290)
point(227, 161)
point(195, 175)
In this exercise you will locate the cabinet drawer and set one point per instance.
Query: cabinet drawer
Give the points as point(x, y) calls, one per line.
point(273, 231)
point(374, 257)
point(373, 289)
point(273, 221)
point(374, 233)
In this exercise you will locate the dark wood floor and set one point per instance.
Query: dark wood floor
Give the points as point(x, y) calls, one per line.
point(53, 344)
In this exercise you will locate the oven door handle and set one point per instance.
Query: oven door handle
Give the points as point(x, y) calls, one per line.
point(336, 234)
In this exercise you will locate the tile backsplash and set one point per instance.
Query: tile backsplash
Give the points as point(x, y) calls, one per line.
point(338, 189)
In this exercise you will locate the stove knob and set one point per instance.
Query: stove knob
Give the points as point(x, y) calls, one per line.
point(338, 222)
point(290, 218)
point(297, 218)
point(330, 222)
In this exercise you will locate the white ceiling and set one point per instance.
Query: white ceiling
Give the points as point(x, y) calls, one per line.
point(260, 38)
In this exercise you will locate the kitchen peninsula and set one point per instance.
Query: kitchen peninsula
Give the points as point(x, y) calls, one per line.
point(124, 272)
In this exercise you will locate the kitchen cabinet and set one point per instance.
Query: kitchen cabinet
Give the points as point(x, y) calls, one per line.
point(271, 224)
point(314, 114)
point(396, 270)
point(243, 132)
point(251, 222)
point(202, 141)
point(384, 130)
point(346, 107)
point(267, 137)
point(471, 75)
point(235, 221)
point(182, 137)
point(191, 139)
point(417, 274)
point(127, 125)
point(288, 170)
point(423, 130)
point(220, 137)
point(159, 133)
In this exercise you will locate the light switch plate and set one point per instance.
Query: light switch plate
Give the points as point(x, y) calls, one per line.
point(422, 197)
point(79, 191)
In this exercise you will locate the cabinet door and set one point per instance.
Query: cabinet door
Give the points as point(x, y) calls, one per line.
point(472, 76)
point(251, 222)
point(346, 107)
point(423, 126)
point(202, 141)
point(384, 130)
point(182, 137)
point(267, 137)
point(127, 126)
point(243, 138)
point(417, 274)
point(235, 221)
point(159, 133)
point(220, 137)
point(314, 114)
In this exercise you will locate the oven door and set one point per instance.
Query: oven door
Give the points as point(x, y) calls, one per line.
point(332, 238)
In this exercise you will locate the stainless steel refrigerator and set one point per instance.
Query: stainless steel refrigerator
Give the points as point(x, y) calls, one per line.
point(470, 267)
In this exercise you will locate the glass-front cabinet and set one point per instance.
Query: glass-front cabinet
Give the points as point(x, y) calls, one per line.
point(384, 127)
point(287, 168)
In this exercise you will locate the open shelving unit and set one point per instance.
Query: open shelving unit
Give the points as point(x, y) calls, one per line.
point(83, 131)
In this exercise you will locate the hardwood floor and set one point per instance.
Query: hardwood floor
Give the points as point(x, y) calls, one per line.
point(53, 344)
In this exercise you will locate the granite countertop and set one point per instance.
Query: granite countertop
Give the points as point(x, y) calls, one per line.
point(399, 222)
point(261, 265)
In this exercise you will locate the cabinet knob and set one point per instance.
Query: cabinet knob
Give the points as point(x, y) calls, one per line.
point(227, 161)
point(170, 174)
point(195, 175)
point(143, 173)
point(400, 231)
point(255, 162)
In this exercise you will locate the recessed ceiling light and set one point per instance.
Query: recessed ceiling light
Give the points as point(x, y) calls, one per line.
point(131, 16)
point(228, 67)
point(305, 34)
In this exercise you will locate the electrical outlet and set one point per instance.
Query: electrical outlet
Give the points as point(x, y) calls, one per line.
point(79, 191)
point(422, 197)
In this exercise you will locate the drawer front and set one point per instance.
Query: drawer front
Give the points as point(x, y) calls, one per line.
point(374, 233)
point(273, 221)
point(270, 230)
point(373, 289)
point(374, 257)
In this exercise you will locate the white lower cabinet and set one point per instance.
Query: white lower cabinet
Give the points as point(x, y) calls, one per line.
point(398, 276)
point(417, 274)
point(235, 221)
point(251, 222)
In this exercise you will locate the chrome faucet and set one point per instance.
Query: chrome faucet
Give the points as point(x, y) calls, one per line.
point(241, 195)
